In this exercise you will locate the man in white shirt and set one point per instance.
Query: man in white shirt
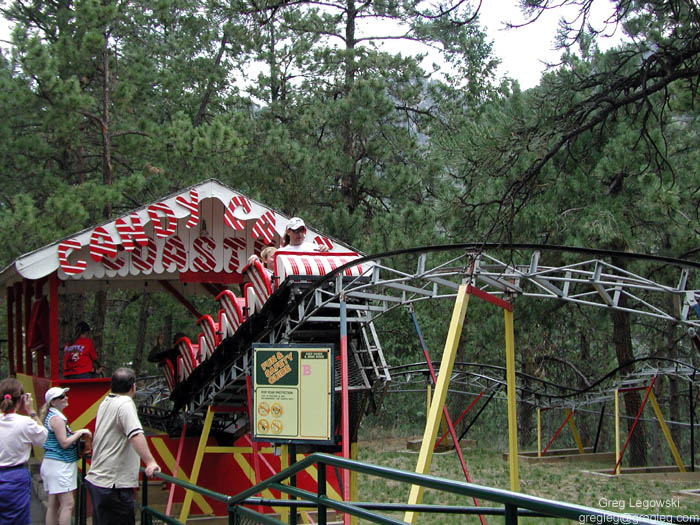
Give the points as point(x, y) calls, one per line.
point(118, 444)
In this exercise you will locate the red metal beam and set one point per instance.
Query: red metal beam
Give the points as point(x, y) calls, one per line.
point(556, 434)
point(255, 446)
point(38, 295)
point(10, 330)
point(27, 292)
point(461, 416)
point(53, 326)
point(471, 290)
point(18, 328)
point(345, 404)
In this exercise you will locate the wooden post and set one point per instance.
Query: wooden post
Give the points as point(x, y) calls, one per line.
point(431, 428)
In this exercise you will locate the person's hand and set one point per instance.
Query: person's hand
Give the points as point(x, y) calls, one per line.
point(253, 258)
point(100, 370)
point(322, 248)
point(151, 469)
point(28, 404)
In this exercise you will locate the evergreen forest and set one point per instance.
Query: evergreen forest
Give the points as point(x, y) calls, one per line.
point(107, 105)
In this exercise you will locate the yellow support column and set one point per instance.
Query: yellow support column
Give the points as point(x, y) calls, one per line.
point(512, 412)
point(284, 463)
point(666, 431)
point(539, 434)
point(617, 431)
point(428, 396)
point(425, 455)
point(353, 481)
point(574, 431)
point(185, 512)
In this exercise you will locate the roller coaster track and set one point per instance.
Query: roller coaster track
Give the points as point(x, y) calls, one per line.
point(474, 379)
point(308, 309)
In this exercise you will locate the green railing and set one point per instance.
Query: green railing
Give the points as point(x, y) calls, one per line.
point(514, 504)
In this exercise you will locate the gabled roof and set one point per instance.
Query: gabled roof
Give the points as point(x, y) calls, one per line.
point(204, 232)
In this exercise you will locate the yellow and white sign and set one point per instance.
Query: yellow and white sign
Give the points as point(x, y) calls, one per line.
point(293, 393)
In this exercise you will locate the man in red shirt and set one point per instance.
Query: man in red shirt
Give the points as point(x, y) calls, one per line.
point(80, 358)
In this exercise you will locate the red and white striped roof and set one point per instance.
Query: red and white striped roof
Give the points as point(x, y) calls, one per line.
point(207, 228)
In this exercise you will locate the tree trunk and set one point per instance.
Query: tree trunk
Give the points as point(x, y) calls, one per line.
point(98, 328)
point(202, 111)
point(674, 394)
point(622, 339)
point(107, 168)
point(350, 180)
point(526, 411)
point(137, 361)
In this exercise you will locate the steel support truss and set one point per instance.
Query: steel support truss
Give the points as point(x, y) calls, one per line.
point(395, 279)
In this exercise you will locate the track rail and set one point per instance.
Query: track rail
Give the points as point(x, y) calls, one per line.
point(649, 285)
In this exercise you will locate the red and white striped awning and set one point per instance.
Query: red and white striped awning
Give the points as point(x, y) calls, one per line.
point(207, 229)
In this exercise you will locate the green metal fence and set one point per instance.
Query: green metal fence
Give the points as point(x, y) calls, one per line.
point(510, 504)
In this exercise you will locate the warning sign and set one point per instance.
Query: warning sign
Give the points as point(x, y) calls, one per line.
point(293, 392)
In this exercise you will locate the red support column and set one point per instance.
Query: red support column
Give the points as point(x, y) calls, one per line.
point(10, 331)
point(254, 445)
point(38, 295)
point(345, 401)
point(53, 326)
point(18, 328)
point(27, 292)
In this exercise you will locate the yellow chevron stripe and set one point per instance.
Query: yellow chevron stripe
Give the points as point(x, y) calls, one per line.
point(169, 460)
point(249, 472)
point(84, 419)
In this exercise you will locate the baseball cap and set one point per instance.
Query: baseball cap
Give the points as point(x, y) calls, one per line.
point(295, 223)
point(54, 392)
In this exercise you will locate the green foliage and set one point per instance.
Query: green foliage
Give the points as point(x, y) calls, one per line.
point(109, 105)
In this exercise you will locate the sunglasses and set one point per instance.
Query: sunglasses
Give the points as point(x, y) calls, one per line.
point(62, 396)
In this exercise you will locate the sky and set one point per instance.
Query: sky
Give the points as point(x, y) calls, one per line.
point(523, 51)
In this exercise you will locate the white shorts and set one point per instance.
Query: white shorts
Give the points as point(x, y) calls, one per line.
point(59, 476)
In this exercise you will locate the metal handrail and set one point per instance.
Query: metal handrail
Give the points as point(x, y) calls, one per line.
point(514, 504)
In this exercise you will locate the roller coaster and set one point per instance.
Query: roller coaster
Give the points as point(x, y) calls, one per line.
point(200, 240)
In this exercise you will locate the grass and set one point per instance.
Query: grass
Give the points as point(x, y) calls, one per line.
point(557, 481)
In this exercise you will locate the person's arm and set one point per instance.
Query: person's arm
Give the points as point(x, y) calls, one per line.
point(138, 441)
point(37, 432)
point(96, 365)
point(59, 428)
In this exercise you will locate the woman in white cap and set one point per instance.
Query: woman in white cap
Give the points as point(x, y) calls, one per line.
point(294, 235)
point(292, 241)
point(17, 434)
point(59, 469)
